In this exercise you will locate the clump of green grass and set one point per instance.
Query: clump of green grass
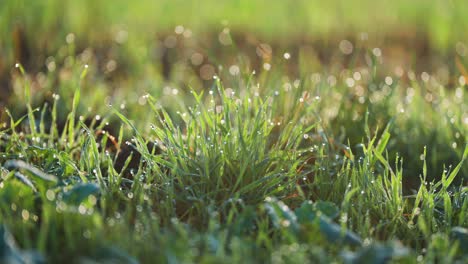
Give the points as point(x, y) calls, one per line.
point(227, 152)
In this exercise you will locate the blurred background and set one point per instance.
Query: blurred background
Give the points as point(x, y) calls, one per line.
point(359, 55)
point(178, 41)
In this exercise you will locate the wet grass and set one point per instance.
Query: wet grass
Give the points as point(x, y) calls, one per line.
point(202, 141)
point(314, 170)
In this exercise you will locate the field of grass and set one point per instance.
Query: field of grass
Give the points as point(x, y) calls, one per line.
point(237, 132)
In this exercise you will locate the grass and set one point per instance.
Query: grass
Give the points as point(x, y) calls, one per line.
point(268, 155)
point(236, 175)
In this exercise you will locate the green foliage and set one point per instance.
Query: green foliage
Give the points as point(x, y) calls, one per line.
point(351, 164)
point(221, 179)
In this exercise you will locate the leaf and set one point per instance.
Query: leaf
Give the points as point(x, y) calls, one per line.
point(460, 234)
point(11, 254)
point(25, 180)
point(19, 164)
point(80, 192)
point(454, 173)
point(8, 250)
point(382, 144)
point(334, 233)
point(280, 213)
point(328, 208)
point(111, 254)
point(376, 253)
point(308, 213)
